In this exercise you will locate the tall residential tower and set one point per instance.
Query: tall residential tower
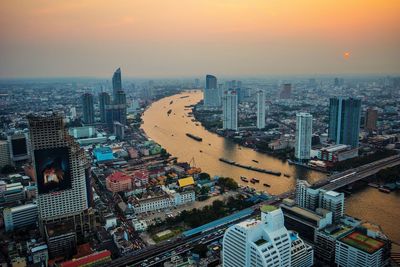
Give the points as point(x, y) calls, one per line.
point(230, 111)
point(303, 136)
point(260, 109)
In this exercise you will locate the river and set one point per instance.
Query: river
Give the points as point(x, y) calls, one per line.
point(170, 132)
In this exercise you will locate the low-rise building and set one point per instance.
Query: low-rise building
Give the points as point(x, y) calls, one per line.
point(119, 182)
point(20, 216)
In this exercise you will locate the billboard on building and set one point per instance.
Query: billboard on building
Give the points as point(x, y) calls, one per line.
point(19, 146)
point(52, 170)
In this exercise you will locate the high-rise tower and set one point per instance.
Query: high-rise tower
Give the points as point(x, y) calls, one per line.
point(344, 121)
point(105, 100)
point(230, 111)
point(260, 109)
point(62, 176)
point(116, 83)
point(88, 108)
point(211, 94)
point(303, 136)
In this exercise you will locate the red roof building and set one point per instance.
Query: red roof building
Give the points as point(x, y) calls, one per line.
point(118, 182)
point(95, 259)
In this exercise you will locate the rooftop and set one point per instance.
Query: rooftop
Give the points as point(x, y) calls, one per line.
point(118, 176)
point(186, 181)
point(103, 150)
point(362, 242)
point(268, 208)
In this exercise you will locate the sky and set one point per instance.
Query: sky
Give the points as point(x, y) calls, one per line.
point(178, 38)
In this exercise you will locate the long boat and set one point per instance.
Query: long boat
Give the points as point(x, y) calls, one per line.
point(195, 137)
point(231, 162)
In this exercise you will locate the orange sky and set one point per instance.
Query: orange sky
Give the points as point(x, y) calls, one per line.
point(162, 38)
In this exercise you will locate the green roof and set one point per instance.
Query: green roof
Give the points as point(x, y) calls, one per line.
point(362, 242)
point(268, 208)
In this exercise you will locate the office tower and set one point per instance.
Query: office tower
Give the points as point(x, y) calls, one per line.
point(61, 171)
point(104, 99)
point(211, 96)
point(88, 108)
point(260, 109)
point(264, 242)
point(119, 130)
point(4, 154)
point(19, 147)
point(358, 249)
point(371, 117)
point(20, 216)
point(116, 83)
point(312, 199)
point(115, 113)
point(120, 98)
point(286, 91)
point(303, 136)
point(344, 121)
point(230, 111)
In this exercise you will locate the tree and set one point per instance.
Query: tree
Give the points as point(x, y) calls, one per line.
point(7, 169)
point(204, 176)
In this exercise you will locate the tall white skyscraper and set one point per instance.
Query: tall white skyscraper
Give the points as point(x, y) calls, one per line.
point(230, 110)
point(264, 242)
point(303, 136)
point(260, 109)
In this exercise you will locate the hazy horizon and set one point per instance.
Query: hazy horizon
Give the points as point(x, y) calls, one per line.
point(182, 39)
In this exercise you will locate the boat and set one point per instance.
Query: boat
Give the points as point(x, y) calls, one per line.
point(254, 180)
point(196, 124)
point(244, 179)
point(266, 185)
point(286, 175)
point(169, 112)
point(197, 138)
point(201, 151)
point(209, 144)
point(373, 185)
point(250, 167)
point(185, 96)
point(172, 101)
point(256, 161)
point(291, 162)
point(384, 190)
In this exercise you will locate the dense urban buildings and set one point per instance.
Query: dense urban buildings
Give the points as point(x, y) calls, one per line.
point(303, 136)
point(286, 91)
point(344, 120)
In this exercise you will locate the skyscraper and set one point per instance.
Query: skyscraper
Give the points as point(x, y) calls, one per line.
point(260, 109)
point(344, 121)
point(303, 136)
point(104, 99)
point(116, 83)
point(371, 117)
point(230, 111)
point(264, 242)
point(61, 176)
point(211, 96)
point(88, 108)
point(286, 91)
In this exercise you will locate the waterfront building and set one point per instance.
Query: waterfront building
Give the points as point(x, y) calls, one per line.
point(105, 100)
point(230, 111)
point(312, 199)
point(371, 118)
point(116, 83)
point(337, 153)
point(344, 121)
point(64, 195)
point(88, 108)
point(358, 249)
point(211, 95)
point(286, 91)
point(303, 136)
point(20, 216)
point(264, 242)
point(260, 109)
point(304, 221)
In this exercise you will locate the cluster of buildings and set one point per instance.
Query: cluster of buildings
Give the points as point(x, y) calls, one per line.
point(311, 230)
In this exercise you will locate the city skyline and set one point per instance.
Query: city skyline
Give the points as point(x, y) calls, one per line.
point(228, 38)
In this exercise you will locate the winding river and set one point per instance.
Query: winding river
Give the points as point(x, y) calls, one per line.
point(170, 132)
